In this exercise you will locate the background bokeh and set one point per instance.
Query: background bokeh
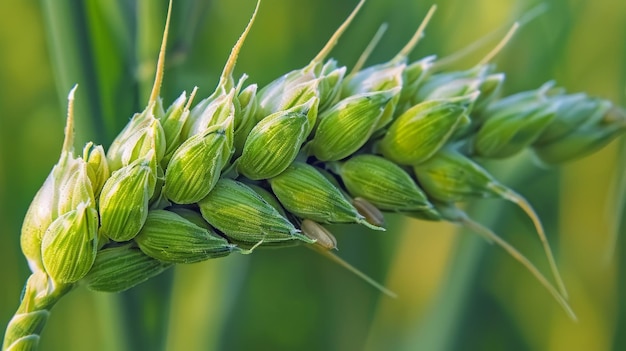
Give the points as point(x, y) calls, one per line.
point(455, 292)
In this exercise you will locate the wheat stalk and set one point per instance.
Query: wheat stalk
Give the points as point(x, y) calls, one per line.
point(247, 168)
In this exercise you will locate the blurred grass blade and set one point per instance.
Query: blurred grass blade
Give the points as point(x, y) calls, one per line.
point(449, 311)
point(187, 23)
point(68, 39)
point(110, 39)
point(617, 203)
point(147, 43)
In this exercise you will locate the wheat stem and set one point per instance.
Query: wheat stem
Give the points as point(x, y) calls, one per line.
point(24, 329)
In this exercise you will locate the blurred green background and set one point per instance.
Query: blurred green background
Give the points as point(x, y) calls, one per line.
point(455, 292)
